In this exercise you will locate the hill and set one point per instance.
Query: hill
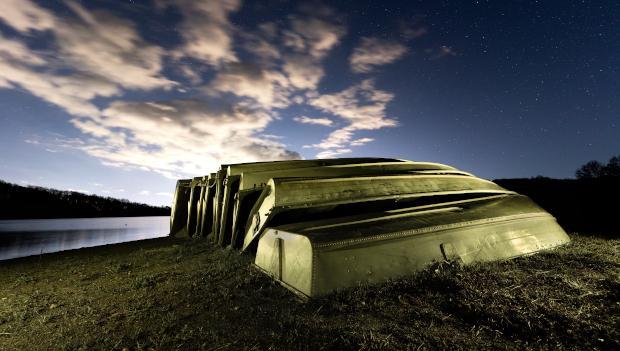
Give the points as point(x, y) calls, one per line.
point(21, 202)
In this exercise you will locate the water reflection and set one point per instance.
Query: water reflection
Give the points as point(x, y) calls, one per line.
point(28, 237)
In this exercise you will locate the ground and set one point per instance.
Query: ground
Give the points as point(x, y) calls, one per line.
point(166, 294)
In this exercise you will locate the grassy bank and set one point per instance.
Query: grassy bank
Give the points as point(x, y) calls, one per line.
point(163, 294)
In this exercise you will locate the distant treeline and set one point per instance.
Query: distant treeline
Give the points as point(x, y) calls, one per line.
point(37, 202)
point(595, 169)
point(587, 205)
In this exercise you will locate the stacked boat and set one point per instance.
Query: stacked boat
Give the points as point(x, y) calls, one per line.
point(321, 225)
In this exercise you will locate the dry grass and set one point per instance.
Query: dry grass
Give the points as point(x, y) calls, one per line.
point(163, 294)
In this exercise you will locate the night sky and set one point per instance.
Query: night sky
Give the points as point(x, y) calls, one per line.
point(121, 98)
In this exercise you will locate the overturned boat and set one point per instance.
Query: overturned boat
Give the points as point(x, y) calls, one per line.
point(321, 225)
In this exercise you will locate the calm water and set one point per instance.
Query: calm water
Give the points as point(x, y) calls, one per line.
point(25, 237)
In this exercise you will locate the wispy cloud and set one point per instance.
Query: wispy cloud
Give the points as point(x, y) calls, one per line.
point(413, 28)
point(268, 89)
point(362, 106)
point(96, 55)
point(32, 141)
point(179, 137)
point(26, 16)
point(443, 51)
point(108, 46)
point(15, 51)
point(333, 153)
point(304, 72)
point(311, 35)
point(25, 68)
point(262, 43)
point(374, 52)
point(206, 29)
point(315, 31)
point(361, 141)
point(272, 136)
point(238, 80)
point(318, 121)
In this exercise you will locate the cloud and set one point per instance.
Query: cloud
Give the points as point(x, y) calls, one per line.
point(179, 137)
point(260, 43)
point(25, 68)
point(318, 121)
point(280, 72)
point(304, 72)
point(374, 52)
point(108, 46)
point(298, 99)
point(338, 139)
point(15, 51)
point(361, 141)
point(333, 153)
point(315, 32)
point(443, 51)
point(412, 28)
point(272, 136)
point(268, 88)
point(25, 16)
point(96, 54)
point(206, 29)
point(362, 105)
point(309, 38)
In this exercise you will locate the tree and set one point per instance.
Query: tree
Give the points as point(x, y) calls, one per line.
point(612, 169)
point(590, 170)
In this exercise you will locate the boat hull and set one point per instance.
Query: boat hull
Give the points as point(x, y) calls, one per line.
point(315, 262)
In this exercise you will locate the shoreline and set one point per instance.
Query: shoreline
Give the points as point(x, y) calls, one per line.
point(107, 249)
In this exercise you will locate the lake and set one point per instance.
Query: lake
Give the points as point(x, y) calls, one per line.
point(26, 237)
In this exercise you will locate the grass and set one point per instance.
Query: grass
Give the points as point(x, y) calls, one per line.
point(166, 294)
